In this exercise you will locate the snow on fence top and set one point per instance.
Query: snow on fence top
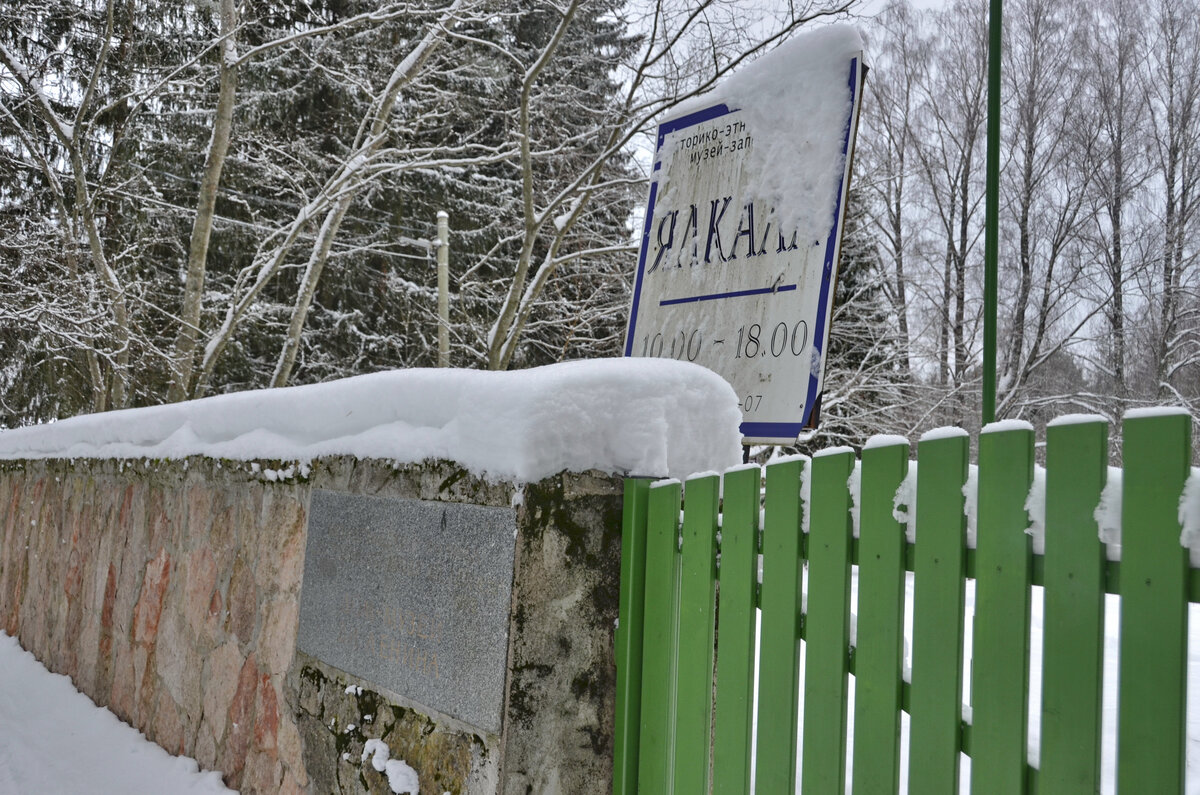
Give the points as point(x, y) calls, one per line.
point(636, 416)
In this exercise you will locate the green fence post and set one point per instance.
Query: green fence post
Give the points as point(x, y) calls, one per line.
point(629, 637)
point(1073, 619)
point(779, 647)
point(1152, 695)
point(935, 701)
point(878, 658)
point(735, 632)
point(1003, 577)
point(697, 604)
point(827, 625)
point(660, 636)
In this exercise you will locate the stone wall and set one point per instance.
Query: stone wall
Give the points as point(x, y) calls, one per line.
point(170, 592)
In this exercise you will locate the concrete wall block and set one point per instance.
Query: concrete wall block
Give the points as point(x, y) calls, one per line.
point(558, 735)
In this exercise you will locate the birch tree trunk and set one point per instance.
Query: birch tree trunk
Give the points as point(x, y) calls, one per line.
point(184, 353)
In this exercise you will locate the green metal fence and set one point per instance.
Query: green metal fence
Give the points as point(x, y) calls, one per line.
point(686, 642)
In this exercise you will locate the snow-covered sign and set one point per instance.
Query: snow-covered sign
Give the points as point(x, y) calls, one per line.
point(740, 247)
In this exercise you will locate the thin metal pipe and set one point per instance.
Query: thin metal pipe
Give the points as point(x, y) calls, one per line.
point(991, 242)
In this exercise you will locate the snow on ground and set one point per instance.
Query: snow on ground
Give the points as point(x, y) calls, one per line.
point(53, 739)
point(629, 416)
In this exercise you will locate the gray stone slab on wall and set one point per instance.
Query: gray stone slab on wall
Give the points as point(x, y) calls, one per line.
point(413, 595)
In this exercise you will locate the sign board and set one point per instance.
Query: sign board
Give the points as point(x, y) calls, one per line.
point(739, 251)
point(414, 596)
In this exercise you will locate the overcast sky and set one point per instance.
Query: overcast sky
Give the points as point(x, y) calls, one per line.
point(874, 6)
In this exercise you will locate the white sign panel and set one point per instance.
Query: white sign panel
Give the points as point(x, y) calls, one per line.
point(739, 251)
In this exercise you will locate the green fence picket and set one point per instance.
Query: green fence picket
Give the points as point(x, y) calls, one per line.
point(827, 625)
point(697, 605)
point(779, 647)
point(664, 718)
point(1003, 577)
point(660, 638)
point(935, 701)
point(735, 632)
point(1153, 670)
point(1073, 646)
point(628, 639)
point(880, 638)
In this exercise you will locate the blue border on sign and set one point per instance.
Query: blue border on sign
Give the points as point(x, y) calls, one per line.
point(831, 246)
point(770, 430)
point(665, 129)
point(755, 429)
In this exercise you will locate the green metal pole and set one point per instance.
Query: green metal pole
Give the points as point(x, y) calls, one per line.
point(991, 241)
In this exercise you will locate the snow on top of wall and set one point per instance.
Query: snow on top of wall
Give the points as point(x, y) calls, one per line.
point(636, 416)
point(795, 101)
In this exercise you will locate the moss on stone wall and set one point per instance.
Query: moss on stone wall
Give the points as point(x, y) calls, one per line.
point(338, 714)
point(562, 676)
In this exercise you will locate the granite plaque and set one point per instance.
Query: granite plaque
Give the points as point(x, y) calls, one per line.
point(412, 595)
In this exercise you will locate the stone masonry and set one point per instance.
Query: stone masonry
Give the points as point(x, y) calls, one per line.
point(169, 592)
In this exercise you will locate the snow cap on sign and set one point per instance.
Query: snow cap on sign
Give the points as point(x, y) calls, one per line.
point(795, 100)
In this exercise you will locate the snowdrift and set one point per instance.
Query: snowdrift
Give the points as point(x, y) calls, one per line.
point(652, 417)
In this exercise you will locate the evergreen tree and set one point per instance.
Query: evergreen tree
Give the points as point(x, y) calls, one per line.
point(865, 381)
point(152, 249)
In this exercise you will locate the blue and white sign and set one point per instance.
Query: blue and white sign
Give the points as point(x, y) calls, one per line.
point(740, 247)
